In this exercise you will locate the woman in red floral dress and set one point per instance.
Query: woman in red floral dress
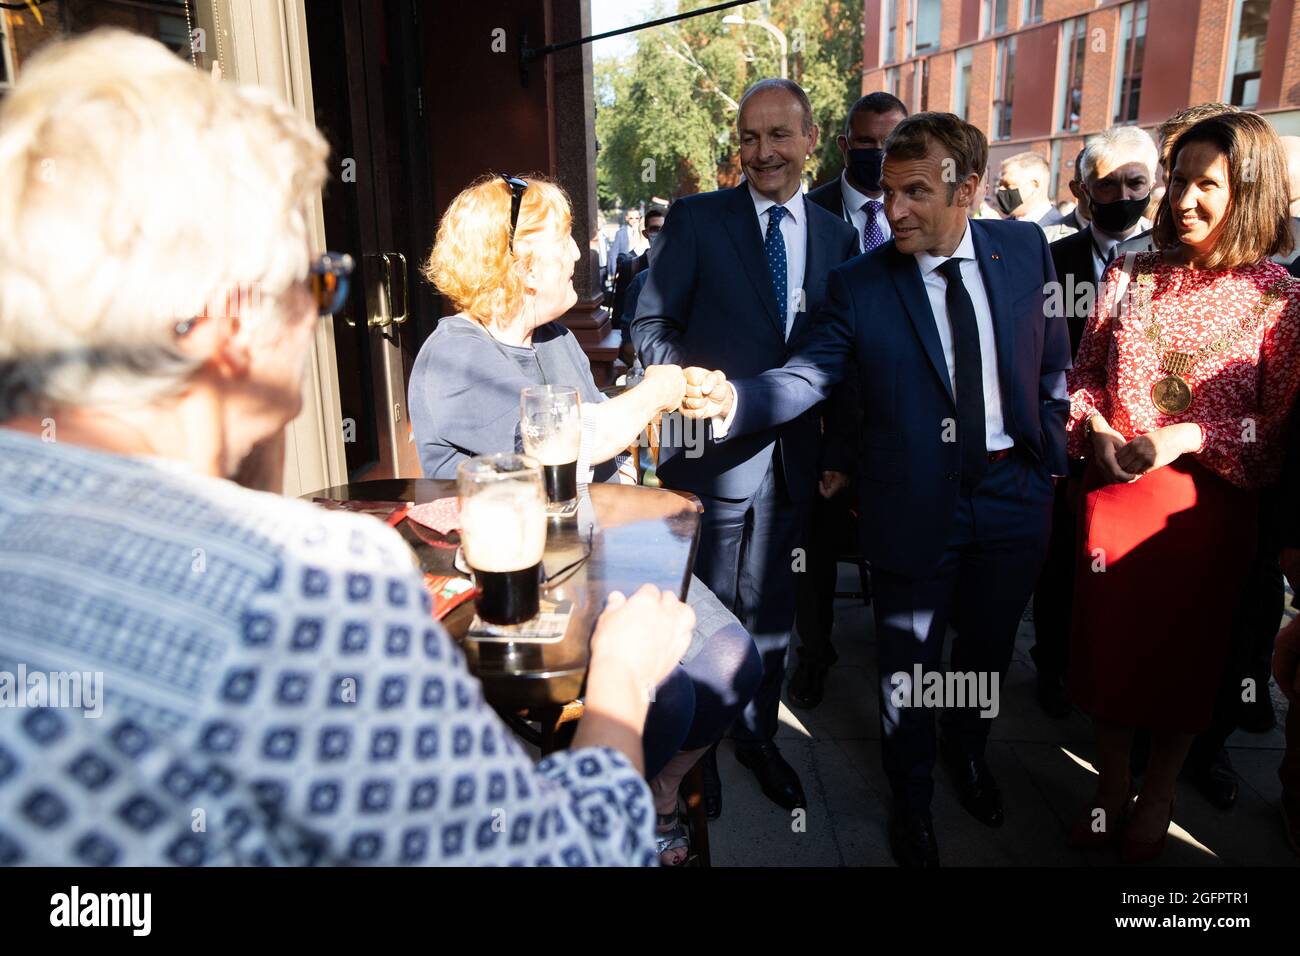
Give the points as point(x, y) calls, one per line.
point(1184, 379)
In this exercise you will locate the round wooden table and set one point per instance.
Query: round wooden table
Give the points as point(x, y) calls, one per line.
point(636, 536)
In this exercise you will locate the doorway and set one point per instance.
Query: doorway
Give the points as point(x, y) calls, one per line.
point(366, 69)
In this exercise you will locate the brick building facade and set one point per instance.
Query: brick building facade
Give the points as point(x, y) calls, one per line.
point(1044, 74)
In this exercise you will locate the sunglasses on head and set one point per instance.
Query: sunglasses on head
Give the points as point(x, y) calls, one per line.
point(517, 187)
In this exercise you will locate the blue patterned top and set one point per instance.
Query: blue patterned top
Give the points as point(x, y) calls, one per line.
point(275, 690)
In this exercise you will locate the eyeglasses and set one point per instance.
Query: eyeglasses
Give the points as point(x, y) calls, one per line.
point(517, 187)
point(329, 276)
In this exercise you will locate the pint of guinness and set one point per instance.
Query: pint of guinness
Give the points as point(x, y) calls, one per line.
point(561, 482)
point(503, 534)
point(551, 426)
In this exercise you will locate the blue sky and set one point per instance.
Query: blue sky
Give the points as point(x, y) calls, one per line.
point(612, 14)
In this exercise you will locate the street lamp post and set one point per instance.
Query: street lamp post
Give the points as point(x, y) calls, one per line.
point(780, 38)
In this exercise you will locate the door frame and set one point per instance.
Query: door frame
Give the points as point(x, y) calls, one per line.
point(264, 42)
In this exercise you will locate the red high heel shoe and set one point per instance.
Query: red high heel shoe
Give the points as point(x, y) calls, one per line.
point(1142, 851)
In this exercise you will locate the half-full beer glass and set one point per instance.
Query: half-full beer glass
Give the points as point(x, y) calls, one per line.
point(551, 422)
point(503, 533)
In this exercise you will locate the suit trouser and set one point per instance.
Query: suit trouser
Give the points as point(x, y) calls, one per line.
point(831, 531)
point(980, 587)
point(746, 557)
point(1054, 593)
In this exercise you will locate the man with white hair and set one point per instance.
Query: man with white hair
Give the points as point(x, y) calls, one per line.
point(1116, 168)
point(1022, 190)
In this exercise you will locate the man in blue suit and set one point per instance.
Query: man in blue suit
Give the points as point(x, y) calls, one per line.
point(732, 281)
point(961, 375)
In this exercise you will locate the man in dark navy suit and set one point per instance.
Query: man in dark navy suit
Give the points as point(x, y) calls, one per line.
point(961, 375)
point(732, 281)
point(856, 198)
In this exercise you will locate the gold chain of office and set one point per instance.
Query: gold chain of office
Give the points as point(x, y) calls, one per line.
point(1173, 394)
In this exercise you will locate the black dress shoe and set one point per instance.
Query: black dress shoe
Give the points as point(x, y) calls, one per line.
point(976, 788)
point(1052, 696)
point(807, 684)
point(1216, 781)
point(777, 778)
point(911, 838)
point(1257, 716)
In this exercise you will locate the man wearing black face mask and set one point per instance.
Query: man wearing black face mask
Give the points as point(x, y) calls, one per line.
point(1116, 170)
point(856, 196)
point(1021, 191)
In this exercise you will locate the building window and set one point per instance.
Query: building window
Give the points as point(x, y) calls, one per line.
point(921, 84)
point(1128, 66)
point(1246, 52)
point(961, 88)
point(891, 80)
point(993, 16)
point(928, 14)
point(889, 34)
point(1003, 86)
point(1031, 12)
point(1069, 86)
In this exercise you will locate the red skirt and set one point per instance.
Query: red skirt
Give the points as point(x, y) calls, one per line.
point(1160, 569)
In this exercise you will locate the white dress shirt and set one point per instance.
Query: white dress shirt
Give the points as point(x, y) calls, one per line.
point(1103, 246)
point(854, 201)
point(1036, 212)
point(794, 231)
point(936, 289)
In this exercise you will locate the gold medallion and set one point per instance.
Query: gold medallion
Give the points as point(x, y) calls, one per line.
point(1172, 395)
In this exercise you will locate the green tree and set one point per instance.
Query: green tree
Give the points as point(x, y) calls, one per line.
point(665, 121)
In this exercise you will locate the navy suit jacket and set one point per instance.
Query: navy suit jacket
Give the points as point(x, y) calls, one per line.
point(878, 314)
point(708, 301)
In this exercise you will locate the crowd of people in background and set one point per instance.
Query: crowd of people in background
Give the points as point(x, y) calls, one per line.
point(1088, 409)
point(1165, 685)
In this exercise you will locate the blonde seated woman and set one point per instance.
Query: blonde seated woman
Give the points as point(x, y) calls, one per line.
point(504, 256)
point(271, 663)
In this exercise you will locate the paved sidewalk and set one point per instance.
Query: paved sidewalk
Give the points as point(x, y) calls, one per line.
point(1041, 764)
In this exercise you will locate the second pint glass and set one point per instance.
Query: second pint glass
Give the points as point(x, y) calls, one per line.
point(550, 418)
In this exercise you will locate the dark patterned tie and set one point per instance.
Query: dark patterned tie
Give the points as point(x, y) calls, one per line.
point(775, 247)
point(969, 375)
point(872, 234)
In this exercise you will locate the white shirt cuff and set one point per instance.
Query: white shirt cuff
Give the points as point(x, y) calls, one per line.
point(722, 423)
point(1059, 390)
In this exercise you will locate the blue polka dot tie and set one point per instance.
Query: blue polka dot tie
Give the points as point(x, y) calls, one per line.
point(872, 234)
point(775, 247)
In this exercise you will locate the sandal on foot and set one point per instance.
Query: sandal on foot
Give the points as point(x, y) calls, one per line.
point(671, 834)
